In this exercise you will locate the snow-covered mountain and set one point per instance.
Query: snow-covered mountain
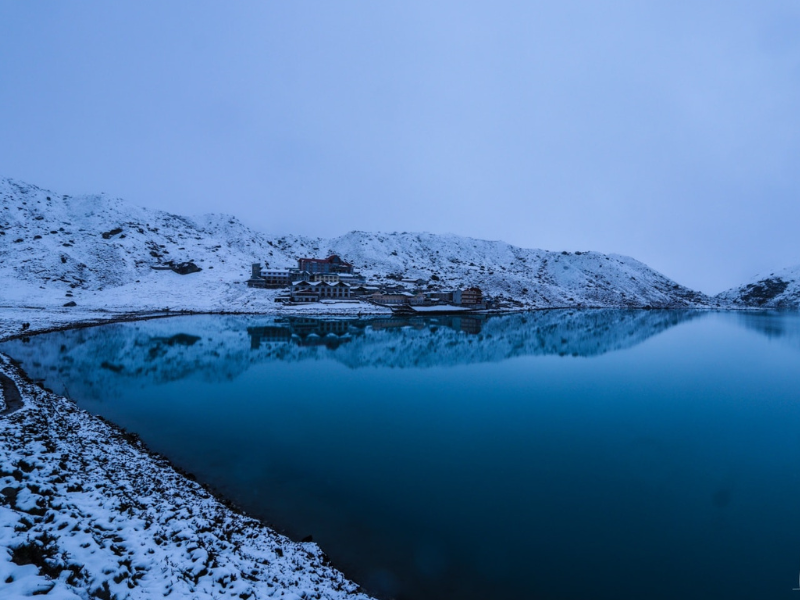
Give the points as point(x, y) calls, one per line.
point(99, 252)
point(780, 289)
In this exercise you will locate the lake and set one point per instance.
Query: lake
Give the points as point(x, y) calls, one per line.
point(555, 455)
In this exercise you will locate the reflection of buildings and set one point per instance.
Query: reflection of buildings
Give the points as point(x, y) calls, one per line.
point(467, 324)
point(471, 324)
point(304, 332)
point(154, 353)
point(270, 333)
point(389, 323)
point(334, 333)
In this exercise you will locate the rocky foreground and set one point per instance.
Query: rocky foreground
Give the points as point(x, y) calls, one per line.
point(86, 511)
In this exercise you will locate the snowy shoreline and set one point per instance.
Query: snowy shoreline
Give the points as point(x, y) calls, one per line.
point(48, 319)
point(87, 510)
point(111, 487)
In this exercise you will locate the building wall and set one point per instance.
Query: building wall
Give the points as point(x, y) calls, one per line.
point(390, 298)
point(332, 264)
point(471, 296)
point(327, 277)
point(334, 291)
point(276, 277)
point(321, 289)
point(441, 296)
point(305, 296)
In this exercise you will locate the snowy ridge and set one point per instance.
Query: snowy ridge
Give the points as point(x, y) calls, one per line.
point(86, 512)
point(780, 289)
point(99, 252)
point(98, 363)
point(539, 278)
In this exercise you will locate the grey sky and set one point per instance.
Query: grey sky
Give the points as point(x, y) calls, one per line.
point(666, 130)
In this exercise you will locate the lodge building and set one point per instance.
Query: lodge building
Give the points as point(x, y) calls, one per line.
point(332, 264)
point(314, 291)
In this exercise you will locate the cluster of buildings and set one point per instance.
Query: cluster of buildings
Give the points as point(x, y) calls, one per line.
point(329, 270)
point(332, 278)
point(314, 279)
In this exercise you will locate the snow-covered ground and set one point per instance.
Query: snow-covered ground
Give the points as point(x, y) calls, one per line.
point(86, 511)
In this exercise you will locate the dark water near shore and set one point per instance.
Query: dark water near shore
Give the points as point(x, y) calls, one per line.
point(553, 455)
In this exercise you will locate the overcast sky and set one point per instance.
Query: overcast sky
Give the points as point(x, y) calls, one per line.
point(665, 130)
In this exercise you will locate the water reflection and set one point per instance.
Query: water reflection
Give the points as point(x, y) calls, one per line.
point(576, 333)
point(97, 362)
point(428, 465)
point(780, 326)
point(311, 332)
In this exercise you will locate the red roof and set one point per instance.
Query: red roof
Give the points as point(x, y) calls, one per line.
point(325, 260)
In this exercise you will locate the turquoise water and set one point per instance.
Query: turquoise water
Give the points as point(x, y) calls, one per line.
point(553, 455)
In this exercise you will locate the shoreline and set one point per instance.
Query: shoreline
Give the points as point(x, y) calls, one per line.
point(106, 317)
point(152, 528)
point(40, 405)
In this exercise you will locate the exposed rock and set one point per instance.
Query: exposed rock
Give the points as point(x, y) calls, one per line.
point(763, 291)
point(777, 290)
point(109, 234)
point(185, 268)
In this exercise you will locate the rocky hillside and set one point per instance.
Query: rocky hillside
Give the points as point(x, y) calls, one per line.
point(776, 290)
point(102, 252)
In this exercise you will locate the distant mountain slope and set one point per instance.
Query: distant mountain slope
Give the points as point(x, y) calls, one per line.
point(780, 289)
point(100, 251)
point(538, 277)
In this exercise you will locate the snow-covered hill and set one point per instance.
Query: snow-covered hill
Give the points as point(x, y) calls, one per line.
point(99, 252)
point(780, 289)
point(538, 278)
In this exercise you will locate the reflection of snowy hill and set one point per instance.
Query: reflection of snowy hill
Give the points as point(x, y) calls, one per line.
point(781, 327)
point(101, 251)
point(94, 362)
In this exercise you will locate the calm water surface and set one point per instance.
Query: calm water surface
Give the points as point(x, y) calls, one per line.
point(554, 455)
